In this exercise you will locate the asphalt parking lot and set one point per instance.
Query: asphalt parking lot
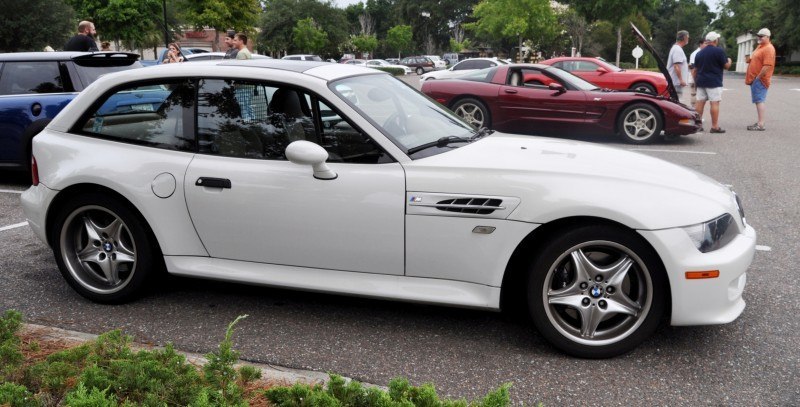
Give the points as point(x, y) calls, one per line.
point(753, 361)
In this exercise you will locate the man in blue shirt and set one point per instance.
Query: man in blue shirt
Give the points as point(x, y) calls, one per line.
point(709, 65)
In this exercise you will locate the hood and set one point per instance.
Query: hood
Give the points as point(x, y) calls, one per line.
point(673, 94)
point(557, 178)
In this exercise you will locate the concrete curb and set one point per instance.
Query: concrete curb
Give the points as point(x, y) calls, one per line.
point(273, 374)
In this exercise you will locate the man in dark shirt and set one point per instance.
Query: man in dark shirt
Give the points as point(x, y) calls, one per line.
point(84, 39)
point(232, 50)
point(709, 65)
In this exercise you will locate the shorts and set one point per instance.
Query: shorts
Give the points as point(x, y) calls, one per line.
point(710, 94)
point(758, 92)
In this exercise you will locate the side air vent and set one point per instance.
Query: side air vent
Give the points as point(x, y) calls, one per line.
point(478, 206)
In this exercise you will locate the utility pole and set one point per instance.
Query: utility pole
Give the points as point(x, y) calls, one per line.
point(166, 30)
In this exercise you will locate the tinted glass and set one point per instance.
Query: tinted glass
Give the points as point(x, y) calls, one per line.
point(89, 74)
point(152, 114)
point(30, 77)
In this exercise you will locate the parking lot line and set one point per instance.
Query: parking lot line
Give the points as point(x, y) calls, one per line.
point(673, 151)
point(10, 191)
point(9, 227)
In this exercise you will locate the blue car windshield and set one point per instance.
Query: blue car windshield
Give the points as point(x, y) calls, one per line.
point(409, 118)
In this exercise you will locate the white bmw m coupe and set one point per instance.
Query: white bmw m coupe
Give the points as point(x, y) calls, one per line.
point(327, 177)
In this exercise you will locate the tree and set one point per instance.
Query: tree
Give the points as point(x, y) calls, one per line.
point(281, 16)
point(130, 21)
point(364, 43)
point(240, 15)
point(576, 26)
point(308, 36)
point(399, 38)
point(514, 18)
point(674, 15)
point(614, 11)
point(24, 30)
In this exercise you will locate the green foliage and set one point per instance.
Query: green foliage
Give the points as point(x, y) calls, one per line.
point(308, 37)
point(673, 15)
point(533, 19)
point(219, 372)
point(364, 43)
point(399, 38)
point(83, 397)
point(10, 355)
point(16, 396)
point(400, 394)
point(280, 17)
point(130, 21)
point(393, 71)
point(33, 24)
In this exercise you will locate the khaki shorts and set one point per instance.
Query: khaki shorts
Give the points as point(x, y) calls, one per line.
point(710, 94)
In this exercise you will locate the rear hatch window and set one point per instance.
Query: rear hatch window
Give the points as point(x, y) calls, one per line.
point(90, 67)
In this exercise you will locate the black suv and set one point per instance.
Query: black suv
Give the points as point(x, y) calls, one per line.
point(35, 86)
point(419, 64)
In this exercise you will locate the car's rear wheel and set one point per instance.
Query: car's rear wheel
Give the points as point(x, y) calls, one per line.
point(640, 123)
point(596, 291)
point(473, 111)
point(102, 248)
point(644, 87)
point(420, 71)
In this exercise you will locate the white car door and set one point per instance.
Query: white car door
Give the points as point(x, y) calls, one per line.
point(249, 203)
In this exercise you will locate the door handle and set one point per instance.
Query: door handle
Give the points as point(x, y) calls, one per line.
point(213, 182)
point(511, 91)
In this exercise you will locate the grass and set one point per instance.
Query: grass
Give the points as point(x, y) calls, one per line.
point(108, 372)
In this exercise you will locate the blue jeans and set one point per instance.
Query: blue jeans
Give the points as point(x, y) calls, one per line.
point(244, 95)
point(758, 92)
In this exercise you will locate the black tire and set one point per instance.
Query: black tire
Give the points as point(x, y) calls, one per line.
point(644, 87)
point(103, 248)
point(640, 123)
point(420, 71)
point(474, 112)
point(609, 309)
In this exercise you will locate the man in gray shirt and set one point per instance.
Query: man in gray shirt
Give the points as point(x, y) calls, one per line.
point(677, 65)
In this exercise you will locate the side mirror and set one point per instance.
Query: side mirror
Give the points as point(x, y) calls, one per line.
point(602, 70)
point(559, 88)
point(307, 153)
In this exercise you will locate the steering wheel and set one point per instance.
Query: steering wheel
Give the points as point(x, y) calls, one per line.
point(396, 124)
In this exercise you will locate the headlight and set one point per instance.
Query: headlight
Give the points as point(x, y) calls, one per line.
point(714, 234)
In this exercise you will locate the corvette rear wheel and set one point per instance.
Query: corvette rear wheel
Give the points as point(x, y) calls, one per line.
point(473, 111)
point(640, 123)
point(644, 87)
point(596, 291)
point(102, 249)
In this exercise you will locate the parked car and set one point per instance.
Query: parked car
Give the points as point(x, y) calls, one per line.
point(395, 61)
point(282, 174)
point(209, 56)
point(35, 86)
point(419, 64)
point(607, 75)
point(382, 63)
point(463, 67)
point(357, 62)
point(451, 58)
point(303, 57)
point(543, 100)
point(198, 50)
point(438, 63)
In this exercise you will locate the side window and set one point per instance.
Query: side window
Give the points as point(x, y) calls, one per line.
point(344, 142)
point(585, 66)
point(251, 120)
point(560, 65)
point(153, 114)
point(464, 65)
point(30, 77)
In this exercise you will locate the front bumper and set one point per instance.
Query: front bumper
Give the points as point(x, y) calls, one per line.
point(35, 202)
point(704, 301)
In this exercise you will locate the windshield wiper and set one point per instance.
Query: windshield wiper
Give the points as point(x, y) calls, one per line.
point(442, 142)
point(482, 132)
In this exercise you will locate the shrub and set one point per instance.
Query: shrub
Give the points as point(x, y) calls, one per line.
point(393, 71)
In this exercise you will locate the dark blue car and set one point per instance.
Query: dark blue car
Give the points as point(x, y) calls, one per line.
point(35, 86)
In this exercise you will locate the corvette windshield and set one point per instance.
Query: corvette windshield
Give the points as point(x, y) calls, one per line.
point(407, 117)
point(576, 82)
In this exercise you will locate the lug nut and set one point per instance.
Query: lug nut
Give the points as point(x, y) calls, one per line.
point(585, 302)
point(584, 286)
point(602, 304)
point(610, 290)
point(598, 278)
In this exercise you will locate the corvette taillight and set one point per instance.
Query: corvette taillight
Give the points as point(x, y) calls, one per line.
point(34, 172)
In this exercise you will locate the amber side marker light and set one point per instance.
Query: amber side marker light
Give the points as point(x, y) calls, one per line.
point(696, 275)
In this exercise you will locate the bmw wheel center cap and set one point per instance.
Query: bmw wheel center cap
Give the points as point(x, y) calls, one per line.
point(597, 291)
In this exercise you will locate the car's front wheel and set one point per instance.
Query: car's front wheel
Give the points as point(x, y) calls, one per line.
point(644, 87)
point(102, 248)
point(596, 291)
point(640, 123)
point(420, 71)
point(473, 111)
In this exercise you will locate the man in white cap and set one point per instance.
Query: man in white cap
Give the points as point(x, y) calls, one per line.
point(759, 73)
point(709, 66)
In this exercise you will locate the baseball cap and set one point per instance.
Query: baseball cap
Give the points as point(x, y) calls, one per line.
point(764, 32)
point(712, 36)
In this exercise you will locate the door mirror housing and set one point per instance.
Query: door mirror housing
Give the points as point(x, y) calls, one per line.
point(601, 70)
point(559, 88)
point(304, 152)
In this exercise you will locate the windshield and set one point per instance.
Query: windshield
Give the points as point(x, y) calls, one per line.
point(90, 74)
point(481, 75)
point(613, 67)
point(576, 82)
point(406, 116)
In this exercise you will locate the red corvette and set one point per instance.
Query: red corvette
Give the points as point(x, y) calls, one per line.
point(540, 99)
point(606, 75)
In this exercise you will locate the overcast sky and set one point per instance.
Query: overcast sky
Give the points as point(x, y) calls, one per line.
point(712, 4)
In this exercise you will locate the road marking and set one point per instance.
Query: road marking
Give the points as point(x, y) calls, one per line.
point(11, 191)
point(9, 227)
point(763, 248)
point(795, 89)
point(674, 151)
